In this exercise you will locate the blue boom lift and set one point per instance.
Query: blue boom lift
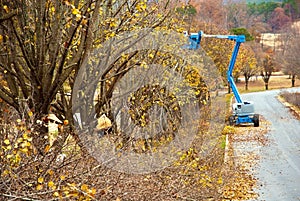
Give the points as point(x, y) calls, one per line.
point(243, 111)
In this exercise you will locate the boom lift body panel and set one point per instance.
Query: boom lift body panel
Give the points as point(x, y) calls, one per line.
point(243, 111)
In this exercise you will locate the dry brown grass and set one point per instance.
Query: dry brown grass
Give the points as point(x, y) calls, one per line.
point(292, 101)
point(276, 82)
point(292, 98)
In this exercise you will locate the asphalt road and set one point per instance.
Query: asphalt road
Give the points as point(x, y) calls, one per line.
point(278, 171)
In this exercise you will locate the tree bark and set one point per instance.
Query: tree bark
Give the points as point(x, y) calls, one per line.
point(246, 84)
point(8, 16)
point(293, 80)
point(246, 81)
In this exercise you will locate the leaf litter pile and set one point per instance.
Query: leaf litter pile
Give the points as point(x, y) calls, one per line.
point(242, 160)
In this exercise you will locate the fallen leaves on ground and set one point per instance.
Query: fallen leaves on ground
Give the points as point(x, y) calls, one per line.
point(243, 150)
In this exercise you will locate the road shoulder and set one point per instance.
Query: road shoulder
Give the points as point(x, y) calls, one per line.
point(243, 146)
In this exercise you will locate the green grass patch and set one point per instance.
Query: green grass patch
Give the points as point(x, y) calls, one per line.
point(223, 141)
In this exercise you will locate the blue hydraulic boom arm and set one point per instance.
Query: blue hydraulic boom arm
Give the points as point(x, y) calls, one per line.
point(195, 39)
point(238, 40)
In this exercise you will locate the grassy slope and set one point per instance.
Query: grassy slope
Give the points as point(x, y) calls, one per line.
point(276, 82)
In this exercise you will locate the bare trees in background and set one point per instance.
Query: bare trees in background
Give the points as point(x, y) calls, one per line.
point(288, 56)
point(279, 20)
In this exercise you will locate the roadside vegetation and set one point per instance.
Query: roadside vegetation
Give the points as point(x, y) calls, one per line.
point(291, 101)
point(292, 98)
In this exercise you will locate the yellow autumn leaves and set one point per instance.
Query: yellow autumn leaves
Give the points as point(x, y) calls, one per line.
point(5, 7)
point(204, 175)
point(64, 189)
point(57, 184)
point(141, 6)
point(77, 13)
point(7, 142)
point(12, 151)
point(41, 185)
point(40, 180)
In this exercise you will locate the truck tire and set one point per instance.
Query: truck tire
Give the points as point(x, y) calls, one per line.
point(231, 120)
point(256, 120)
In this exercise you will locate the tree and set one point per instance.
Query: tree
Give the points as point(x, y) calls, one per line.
point(247, 64)
point(263, 9)
point(187, 13)
point(287, 56)
point(186, 10)
point(237, 15)
point(217, 49)
point(265, 62)
point(292, 8)
point(242, 31)
point(259, 15)
point(279, 19)
point(44, 44)
point(267, 69)
point(211, 12)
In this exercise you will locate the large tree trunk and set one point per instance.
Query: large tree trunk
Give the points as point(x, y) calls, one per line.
point(293, 80)
point(246, 83)
point(266, 85)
